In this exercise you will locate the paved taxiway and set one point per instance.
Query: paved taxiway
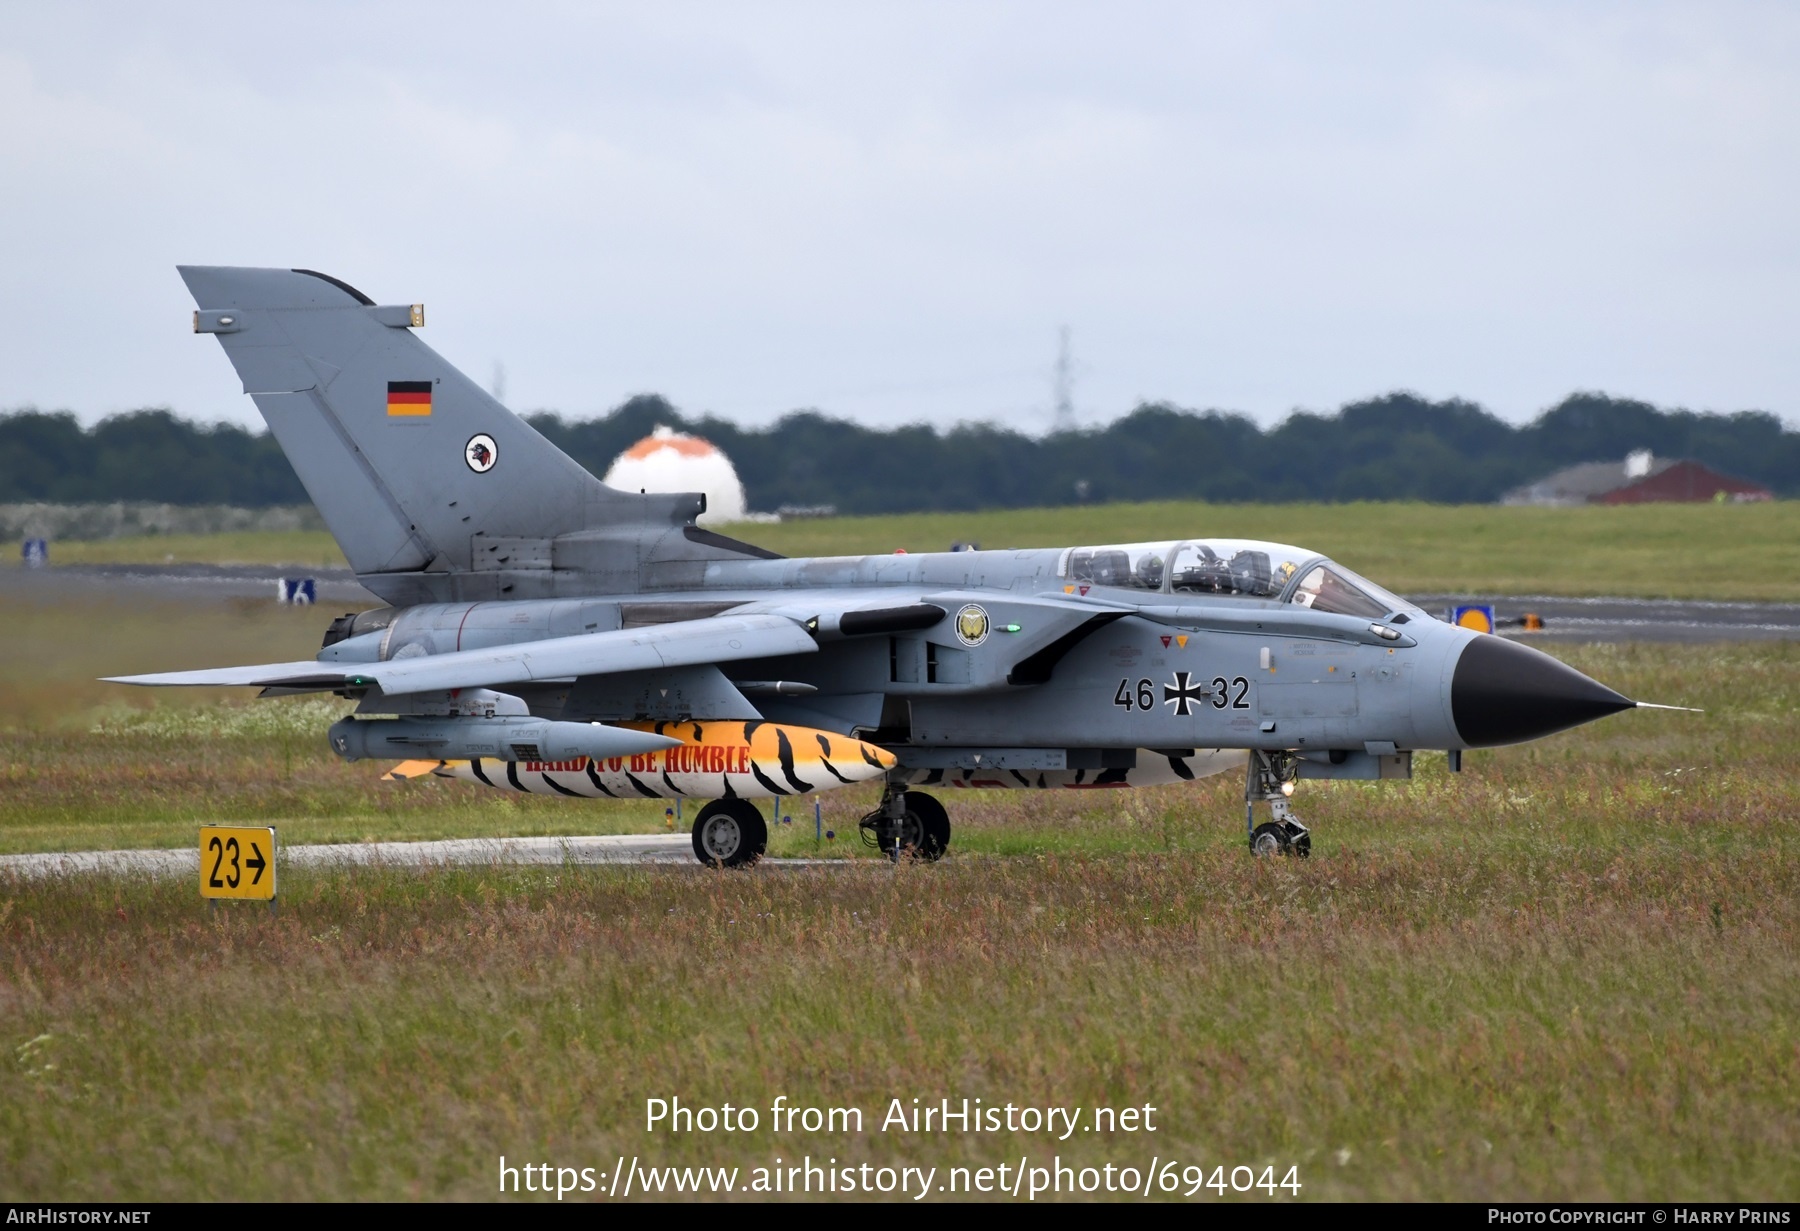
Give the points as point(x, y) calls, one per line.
point(182, 582)
point(1634, 619)
point(675, 849)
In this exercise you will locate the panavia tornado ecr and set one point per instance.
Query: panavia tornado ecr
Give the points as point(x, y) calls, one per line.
point(547, 634)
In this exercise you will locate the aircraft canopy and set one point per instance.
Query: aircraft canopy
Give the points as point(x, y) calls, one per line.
point(1233, 568)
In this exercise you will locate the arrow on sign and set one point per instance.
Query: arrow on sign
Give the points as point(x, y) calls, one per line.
point(258, 862)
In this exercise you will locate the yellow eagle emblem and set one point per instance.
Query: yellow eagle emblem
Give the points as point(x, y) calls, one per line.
point(972, 624)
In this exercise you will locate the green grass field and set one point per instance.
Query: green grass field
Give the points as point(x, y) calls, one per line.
point(1747, 552)
point(1570, 972)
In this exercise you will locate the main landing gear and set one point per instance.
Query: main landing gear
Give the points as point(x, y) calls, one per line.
point(730, 833)
point(1270, 778)
point(907, 822)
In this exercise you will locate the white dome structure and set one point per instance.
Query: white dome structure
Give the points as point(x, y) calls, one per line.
point(670, 461)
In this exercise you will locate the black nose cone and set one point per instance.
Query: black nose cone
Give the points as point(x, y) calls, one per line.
point(1504, 693)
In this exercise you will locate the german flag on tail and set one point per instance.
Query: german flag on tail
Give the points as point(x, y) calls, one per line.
point(409, 398)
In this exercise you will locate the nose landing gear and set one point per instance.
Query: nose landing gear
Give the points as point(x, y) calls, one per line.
point(907, 821)
point(1270, 779)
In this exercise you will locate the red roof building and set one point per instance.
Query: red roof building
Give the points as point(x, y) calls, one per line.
point(1639, 479)
point(1683, 482)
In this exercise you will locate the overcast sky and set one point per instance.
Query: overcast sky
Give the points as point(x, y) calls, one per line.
point(886, 211)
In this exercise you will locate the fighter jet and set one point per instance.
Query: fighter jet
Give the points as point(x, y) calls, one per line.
point(547, 634)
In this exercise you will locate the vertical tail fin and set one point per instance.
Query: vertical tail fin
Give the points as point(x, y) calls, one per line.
point(419, 474)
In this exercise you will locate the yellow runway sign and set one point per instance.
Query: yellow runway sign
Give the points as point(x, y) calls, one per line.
point(237, 861)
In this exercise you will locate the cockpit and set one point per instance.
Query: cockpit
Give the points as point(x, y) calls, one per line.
point(1231, 568)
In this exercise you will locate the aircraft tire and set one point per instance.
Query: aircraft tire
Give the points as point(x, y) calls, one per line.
point(926, 831)
point(1271, 838)
point(730, 833)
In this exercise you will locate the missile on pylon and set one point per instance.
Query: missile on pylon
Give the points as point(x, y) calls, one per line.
point(708, 760)
point(507, 739)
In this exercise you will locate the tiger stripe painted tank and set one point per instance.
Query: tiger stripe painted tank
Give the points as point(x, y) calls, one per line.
point(716, 760)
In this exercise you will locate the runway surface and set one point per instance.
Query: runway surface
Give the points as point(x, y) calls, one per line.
point(195, 582)
point(667, 849)
point(1633, 619)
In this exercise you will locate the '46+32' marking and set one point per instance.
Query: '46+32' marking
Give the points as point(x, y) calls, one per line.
point(1184, 693)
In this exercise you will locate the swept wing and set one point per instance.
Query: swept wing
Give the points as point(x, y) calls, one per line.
point(691, 643)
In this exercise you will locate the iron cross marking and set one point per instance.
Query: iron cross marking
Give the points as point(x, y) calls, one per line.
point(1182, 694)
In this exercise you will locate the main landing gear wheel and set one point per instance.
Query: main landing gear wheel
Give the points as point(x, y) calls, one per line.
point(908, 822)
point(729, 833)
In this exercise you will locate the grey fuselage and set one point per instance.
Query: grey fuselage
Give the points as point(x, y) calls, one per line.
point(1218, 671)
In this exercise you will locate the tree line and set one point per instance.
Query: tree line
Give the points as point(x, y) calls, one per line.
point(1397, 447)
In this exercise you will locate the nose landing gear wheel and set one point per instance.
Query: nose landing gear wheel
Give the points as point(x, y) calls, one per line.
point(729, 833)
point(1281, 838)
point(1269, 839)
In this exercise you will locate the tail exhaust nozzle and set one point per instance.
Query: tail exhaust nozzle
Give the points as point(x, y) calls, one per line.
point(504, 739)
